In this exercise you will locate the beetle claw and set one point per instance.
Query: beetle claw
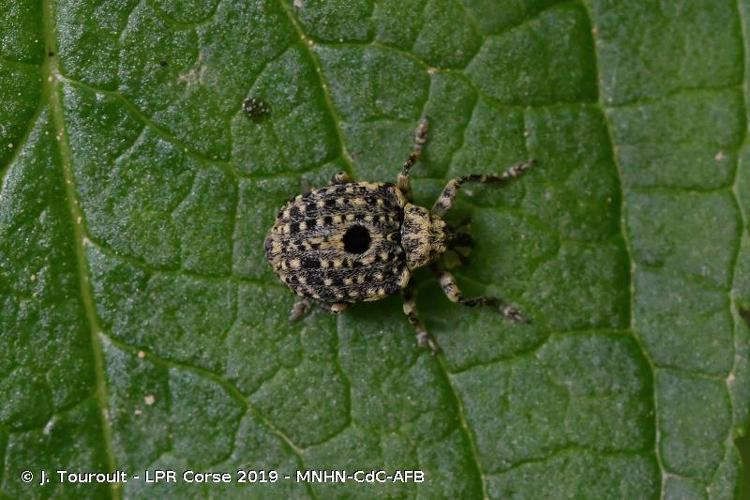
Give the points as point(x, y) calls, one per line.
point(514, 314)
point(424, 339)
point(299, 309)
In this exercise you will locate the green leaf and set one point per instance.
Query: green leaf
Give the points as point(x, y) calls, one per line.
point(141, 327)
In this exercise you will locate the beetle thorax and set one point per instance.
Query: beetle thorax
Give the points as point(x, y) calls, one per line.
point(423, 236)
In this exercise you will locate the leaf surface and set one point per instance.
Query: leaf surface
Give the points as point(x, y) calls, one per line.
point(141, 327)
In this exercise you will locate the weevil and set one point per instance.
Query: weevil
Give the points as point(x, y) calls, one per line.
point(352, 242)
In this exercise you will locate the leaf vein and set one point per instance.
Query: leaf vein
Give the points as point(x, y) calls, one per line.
point(465, 429)
point(5, 169)
point(741, 228)
point(629, 252)
point(306, 43)
point(235, 393)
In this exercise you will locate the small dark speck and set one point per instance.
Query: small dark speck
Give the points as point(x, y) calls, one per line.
point(51, 54)
point(163, 63)
point(745, 314)
point(256, 109)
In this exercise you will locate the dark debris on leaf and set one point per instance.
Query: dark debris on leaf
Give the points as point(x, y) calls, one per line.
point(257, 109)
point(745, 314)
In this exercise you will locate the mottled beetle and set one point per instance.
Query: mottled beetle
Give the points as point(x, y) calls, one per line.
point(360, 241)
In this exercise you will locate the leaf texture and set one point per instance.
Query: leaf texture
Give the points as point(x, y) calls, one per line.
point(141, 327)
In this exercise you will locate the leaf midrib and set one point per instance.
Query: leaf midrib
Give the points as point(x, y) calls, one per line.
point(51, 98)
point(733, 189)
point(51, 95)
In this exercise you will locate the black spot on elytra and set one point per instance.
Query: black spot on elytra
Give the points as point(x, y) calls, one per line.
point(315, 278)
point(309, 262)
point(357, 239)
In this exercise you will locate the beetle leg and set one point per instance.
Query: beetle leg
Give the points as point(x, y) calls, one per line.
point(420, 137)
point(424, 339)
point(341, 178)
point(303, 306)
point(461, 244)
point(451, 290)
point(462, 240)
point(335, 308)
point(299, 309)
point(448, 196)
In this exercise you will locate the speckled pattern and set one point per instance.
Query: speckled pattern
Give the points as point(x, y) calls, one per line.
point(310, 244)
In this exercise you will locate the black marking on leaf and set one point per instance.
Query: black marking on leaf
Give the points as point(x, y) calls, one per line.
point(257, 109)
point(745, 314)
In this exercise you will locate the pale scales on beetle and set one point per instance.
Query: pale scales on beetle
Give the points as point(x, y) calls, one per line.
point(354, 242)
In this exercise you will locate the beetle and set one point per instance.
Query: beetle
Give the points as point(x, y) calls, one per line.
point(354, 242)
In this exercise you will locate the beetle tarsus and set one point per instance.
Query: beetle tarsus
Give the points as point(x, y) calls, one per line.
point(424, 339)
point(420, 138)
point(299, 309)
point(514, 314)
